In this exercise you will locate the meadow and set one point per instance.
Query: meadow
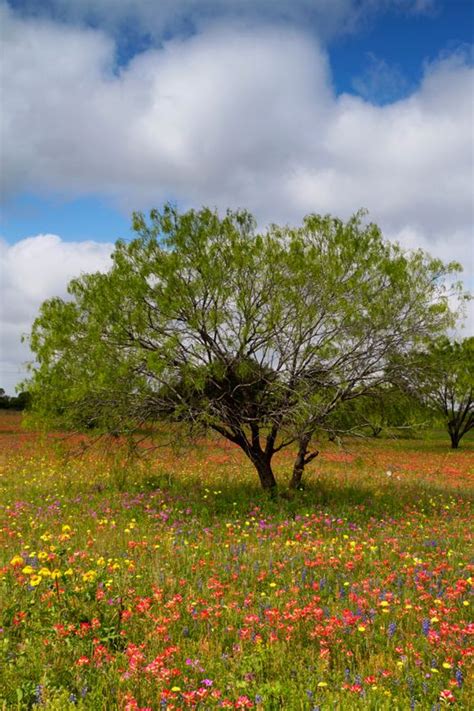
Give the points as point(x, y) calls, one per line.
point(175, 583)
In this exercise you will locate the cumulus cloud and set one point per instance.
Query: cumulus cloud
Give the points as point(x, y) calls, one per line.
point(410, 162)
point(217, 115)
point(232, 116)
point(32, 270)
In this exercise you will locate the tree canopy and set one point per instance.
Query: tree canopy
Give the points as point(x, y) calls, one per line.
point(441, 377)
point(259, 336)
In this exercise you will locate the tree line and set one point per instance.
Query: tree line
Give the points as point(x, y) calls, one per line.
point(14, 402)
point(268, 338)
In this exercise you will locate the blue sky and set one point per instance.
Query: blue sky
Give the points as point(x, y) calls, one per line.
point(281, 106)
point(85, 218)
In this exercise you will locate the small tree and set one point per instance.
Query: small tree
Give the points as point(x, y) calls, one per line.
point(258, 337)
point(441, 377)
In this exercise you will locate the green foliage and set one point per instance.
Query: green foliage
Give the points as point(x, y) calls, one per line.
point(441, 377)
point(260, 337)
point(385, 408)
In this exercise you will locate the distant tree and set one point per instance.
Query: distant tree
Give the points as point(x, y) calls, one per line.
point(22, 400)
point(259, 337)
point(441, 377)
point(8, 402)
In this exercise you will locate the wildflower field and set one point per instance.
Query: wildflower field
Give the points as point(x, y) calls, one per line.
point(174, 583)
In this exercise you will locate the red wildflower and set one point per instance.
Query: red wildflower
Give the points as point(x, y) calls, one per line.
point(447, 696)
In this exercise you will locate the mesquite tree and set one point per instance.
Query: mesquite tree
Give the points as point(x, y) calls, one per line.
point(441, 377)
point(258, 336)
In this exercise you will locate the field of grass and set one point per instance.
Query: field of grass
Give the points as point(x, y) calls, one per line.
point(176, 584)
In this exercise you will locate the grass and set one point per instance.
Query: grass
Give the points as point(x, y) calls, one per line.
point(175, 583)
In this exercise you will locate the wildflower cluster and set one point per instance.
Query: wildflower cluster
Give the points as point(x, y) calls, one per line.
point(158, 596)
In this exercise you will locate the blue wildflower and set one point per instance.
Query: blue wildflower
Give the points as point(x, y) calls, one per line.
point(39, 694)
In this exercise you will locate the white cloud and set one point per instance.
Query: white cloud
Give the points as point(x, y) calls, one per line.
point(230, 117)
point(410, 162)
point(31, 271)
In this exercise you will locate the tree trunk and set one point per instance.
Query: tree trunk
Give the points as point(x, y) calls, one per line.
point(455, 439)
point(455, 434)
point(302, 459)
point(260, 458)
point(265, 473)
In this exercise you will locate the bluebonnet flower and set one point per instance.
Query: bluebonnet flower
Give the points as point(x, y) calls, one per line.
point(459, 677)
point(392, 629)
point(39, 694)
point(425, 626)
